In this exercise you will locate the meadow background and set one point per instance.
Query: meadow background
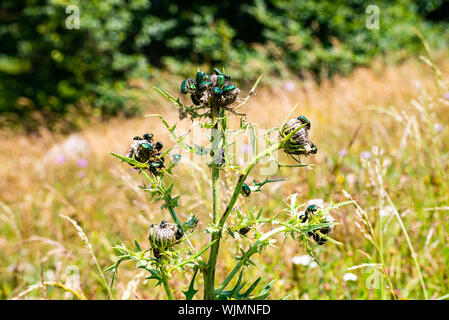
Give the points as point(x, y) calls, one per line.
point(377, 100)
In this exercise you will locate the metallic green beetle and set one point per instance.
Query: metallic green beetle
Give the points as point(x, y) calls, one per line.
point(220, 81)
point(188, 85)
point(206, 84)
point(199, 77)
point(217, 90)
point(202, 77)
point(246, 190)
point(184, 87)
point(305, 120)
point(156, 164)
point(217, 71)
point(312, 209)
point(228, 88)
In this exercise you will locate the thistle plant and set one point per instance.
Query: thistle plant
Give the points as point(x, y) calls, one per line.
point(173, 246)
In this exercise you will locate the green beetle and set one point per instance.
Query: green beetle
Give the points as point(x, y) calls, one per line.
point(199, 77)
point(156, 165)
point(158, 146)
point(305, 120)
point(314, 149)
point(188, 85)
point(220, 81)
point(206, 84)
point(144, 151)
point(312, 209)
point(244, 230)
point(217, 90)
point(217, 71)
point(228, 88)
point(184, 87)
point(246, 190)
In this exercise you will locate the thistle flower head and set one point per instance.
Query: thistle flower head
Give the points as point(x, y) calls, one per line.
point(164, 236)
point(210, 90)
point(318, 234)
point(144, 150)
point(298, 143)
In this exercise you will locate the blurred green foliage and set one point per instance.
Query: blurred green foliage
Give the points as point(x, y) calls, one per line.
point(48, 71)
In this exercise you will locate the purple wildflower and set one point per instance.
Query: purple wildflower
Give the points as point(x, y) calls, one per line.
point(289, 86)
point(60, 159)
point(343, 153)
point(438, 127)
point(81, 163)
point(365, 155)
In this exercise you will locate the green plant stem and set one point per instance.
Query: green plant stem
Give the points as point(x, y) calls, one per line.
point(167, 197)
point(209, 273)
point(166, 284)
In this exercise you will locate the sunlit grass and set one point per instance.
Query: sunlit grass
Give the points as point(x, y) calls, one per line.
point(397, 108)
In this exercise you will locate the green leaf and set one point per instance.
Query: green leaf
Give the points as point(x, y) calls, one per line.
point(131, 161)
point(137, 245)
point(252, 287)
point(265, 292)
point(257, 185)
point(190, 293)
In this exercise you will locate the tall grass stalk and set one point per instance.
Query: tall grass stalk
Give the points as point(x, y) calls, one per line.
point(87, 244)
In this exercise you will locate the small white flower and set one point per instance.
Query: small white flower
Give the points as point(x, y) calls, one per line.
point(343, 153)
point(438, 127)
point(289, 86)
point(351, 178)
point(349, 277)
point(304, 260)
point(50, 275)
point(386, 211)
point(365, 155)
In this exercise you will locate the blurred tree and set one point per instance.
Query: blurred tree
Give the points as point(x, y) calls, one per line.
point(47, 71)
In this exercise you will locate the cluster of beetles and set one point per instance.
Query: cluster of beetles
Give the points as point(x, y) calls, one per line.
point(214, 89)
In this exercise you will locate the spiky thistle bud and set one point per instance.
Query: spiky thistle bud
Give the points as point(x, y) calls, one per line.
point(164, 236)
point(325, 218)
point(298, 143)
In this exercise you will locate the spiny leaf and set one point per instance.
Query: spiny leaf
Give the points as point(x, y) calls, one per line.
point(257, 185)
point(131, 161)
point(190, 293)
point(265, 292)
point(252, 287)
